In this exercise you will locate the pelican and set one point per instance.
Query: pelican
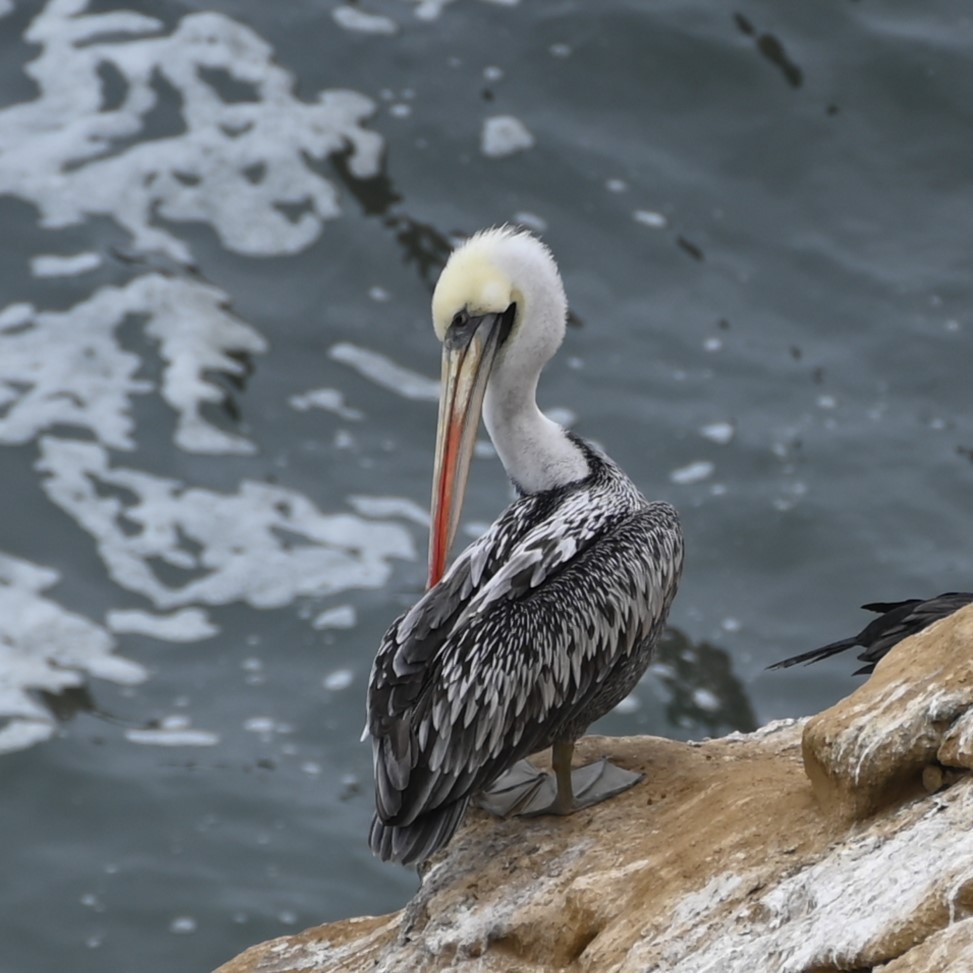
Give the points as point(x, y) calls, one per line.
point(547, 621)
point(896, 621)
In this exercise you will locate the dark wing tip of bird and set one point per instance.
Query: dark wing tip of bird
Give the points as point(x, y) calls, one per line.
point(785, 663)
point(413, 843)
point(883, 607)
point(815, 655)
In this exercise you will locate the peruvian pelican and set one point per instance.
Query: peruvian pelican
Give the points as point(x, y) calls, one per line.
point(547, 621)
point(897, 620)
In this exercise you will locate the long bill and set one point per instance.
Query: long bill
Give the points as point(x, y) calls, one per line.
point(468, 359)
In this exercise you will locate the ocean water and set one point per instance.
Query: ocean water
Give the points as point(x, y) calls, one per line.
point(220, 227)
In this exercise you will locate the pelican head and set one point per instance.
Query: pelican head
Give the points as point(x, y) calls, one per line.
point(499, 310)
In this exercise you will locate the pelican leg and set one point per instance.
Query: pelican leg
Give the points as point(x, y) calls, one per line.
point(530, 792)
point(519, 789)
point(592, 784)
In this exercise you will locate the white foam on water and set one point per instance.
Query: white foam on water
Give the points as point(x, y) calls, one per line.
point(531, 220)
point(330, 400)
point(260, 724)
point(183, 925)
point(351, 18)
point(430, 9)
point(186, 625)
point(720, 433)
point(262, 544)
point(19, 734)
point(341, 616)
point(45, 647)
point(385, 373)
point(693, 472)
point(706, 699)
point(400, 507)
point(248, 168)
point(90, 382)
point(15, 315)
point(504, 135)
point(649, 218)
point(59, 265)
point(338, 680)
point(196, 335)
point(173, 737)
point(73, 157)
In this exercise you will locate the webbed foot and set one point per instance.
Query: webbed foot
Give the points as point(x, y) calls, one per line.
point(530, 792)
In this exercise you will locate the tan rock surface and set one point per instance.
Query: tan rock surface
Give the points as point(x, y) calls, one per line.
point(916, 710)
point(725, 859)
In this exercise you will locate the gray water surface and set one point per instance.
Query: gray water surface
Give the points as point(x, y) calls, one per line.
point(217, 414)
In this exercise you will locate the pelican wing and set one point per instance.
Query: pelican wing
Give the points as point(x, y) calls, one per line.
point(514, 644)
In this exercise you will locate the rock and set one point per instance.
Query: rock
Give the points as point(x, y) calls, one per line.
point(914, 713)
point(726, 859)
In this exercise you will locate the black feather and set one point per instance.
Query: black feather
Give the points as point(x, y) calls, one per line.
point(898, 620)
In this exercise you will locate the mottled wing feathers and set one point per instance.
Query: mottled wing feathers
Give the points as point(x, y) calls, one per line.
point(532, 663)
point(517, 644)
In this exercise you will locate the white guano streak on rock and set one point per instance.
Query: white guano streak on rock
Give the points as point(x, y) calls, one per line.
point(804, 923)
point(959, 740)
point(762, 732)
point(470, 927)
point(287, 957)
point(909, 713)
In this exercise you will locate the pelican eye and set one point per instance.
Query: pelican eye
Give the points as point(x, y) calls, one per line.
point(461, 329)
point(463, 326)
